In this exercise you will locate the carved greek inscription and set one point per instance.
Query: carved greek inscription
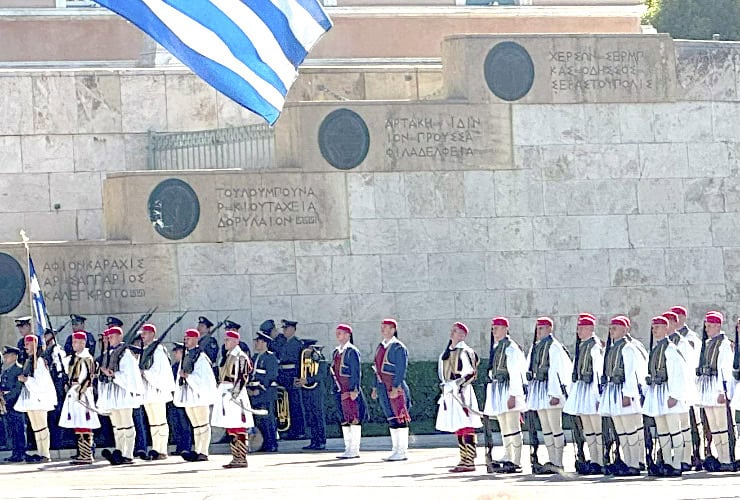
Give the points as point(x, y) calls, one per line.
point(243, 207)
point(616, 70)
point(95, 279)
point(441, 138)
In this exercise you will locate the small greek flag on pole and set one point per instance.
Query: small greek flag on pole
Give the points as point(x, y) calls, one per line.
point(37, 301)
point(249, 50)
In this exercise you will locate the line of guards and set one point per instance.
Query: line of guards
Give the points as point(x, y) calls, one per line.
point(133, 380)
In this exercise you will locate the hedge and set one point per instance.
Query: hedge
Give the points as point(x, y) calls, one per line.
point(695, 19)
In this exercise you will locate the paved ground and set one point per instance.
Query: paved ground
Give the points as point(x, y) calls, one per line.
point(292, 474)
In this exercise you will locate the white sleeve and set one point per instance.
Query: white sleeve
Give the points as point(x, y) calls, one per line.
point(515, 366)
point(556, 370)
point(631, 371)
point(675, 367)
point(597, 362)
point(128, 375)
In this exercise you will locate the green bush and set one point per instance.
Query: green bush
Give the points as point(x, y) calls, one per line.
point(695, 19)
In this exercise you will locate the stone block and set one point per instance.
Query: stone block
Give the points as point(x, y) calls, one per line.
point(725, 229)
point(715, 159)
point(265, 285)
point(690, 266)
point(198, 259)
point(546, 124)
point(683, 122)
point(328, 86)
point(135, 150)
point(318, 248)
point(222, 292)
point(404, 273)
point(98, 103)
point(688, 230)
point(356, 274)
point(322, 308)
point(607, 161)
point(16, 101)
point(264, 257)
point(24, 192)
point(731, 194)
point(657, 196)
point(604, 231)
point(426, 305)
point(10, 154)
point(457, 271)
point(724, 121)
point(99, 153)
point(601, 123)
point(361, 193)
point(76, 191)
point(480, 304)
point(374, 236)
point(390, 85)
point(518, 192)
point(430, 84)
point(60, 225)
point(556, 233)
point(468, 235)
point(143, 103)
point(637, 267)
point(641, 303)
point(505, 270)
point(556, 163)
point(54, 105)
point(372, 306)
point(275, 307)
point(10, 226)
point(510, 233)
point(591, 197)
point(636, 123)
point(435, 194)
point(577, 268)
point(706, 71)
point(314, 275)
point(231, 114)
point(647, 230)
point(663, 160)
point(424, 235)
point(90, 225)
point(390, 196)
point(191, 103)
point(479, 194)
point(704, 195)
point(47, 153)
point(534, 303)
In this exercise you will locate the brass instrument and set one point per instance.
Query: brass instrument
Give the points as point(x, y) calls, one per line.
point(309, 363)
point(283, 409)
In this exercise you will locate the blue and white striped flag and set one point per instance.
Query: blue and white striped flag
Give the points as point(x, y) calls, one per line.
point(247, 49)
point(37, 300)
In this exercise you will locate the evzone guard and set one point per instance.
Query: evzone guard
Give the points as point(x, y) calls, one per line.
point(345, 370)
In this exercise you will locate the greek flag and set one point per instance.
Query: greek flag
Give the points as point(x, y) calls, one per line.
point(247, 49)
point(37, 300)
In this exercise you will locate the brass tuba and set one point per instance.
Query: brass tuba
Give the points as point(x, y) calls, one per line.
point(283, 409)
point(309, 365)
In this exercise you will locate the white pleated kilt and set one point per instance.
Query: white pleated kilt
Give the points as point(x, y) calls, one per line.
point(497, 397)
point(611, 402)
point(656, 402)
point(227, 413)
point(112, 396)
point(709, 390)
point(537, 397)
point(152, 395)
point(581, 400)
point(45, 401)
point(452, 417)
point(735, 403)
point(74, 415)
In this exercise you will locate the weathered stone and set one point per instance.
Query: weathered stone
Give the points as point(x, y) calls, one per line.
point(404, 273)
point(636, 122)
point(206, 259)
point(640, 304)
point(16, 101)
point(47, 153)
point(576, 268)
point(328, 86)
point(591, 197)
point(361, 194)
point(60, 225)
point(191, 103)
point(683, 122)
point(54, 105)
point(430, 84)
point(547, 124)
point(506, 270)
point(65, 189)
point(10, 226)
point(276, 306)
point(689, 266)
point(223, 292)
point(232, 114)
point(610, 161)
point(10, 154)
point(457, 271)
point(90, 225)
point(264, 258)
point(604, 231)
point(518, 192)
point(390, 85)
point(647, 230)
point(556, 233)
point(390, 196)
point(319, 248)
point(636, 267)
point(704, 195)
point(136, 151)
point(24, 192)
point(510, 233)
point(557, 163)
point(322, 308)
point(356, 274)
point(705, 71)
point(435, 194)
point(688, 230)
point(264, 285)
point(424, 235)
point(372, 306)
point(468, 235)
point(533, 303)
point(425, 305)
point(98, 103)
point(479, 194)
point(374, 236)
point(143, 103)
point(724, 121)
point(731, 259)
point(99, 153)
point(725, 230)
point(314, 275)
point(480, 304)
point(731, 194)
point(660, 196)
point(714, 159)
point(601, 123)
point(663, 160)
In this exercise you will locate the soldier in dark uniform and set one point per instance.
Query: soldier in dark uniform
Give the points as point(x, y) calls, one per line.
point(180, 428)
point(78, 325)
point(15, 421)
point(230, 325)
point(278, 339)
point(313, 395)
point(207, 342)
point(262, 390)
point(24, 328)
point(289, 357)
point(54, 356)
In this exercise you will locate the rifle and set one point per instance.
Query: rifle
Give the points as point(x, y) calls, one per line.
point(530, 417)
point(488, 428)
point(146, 360)
point(64, 325)
point(131, 333)
point(576, 425)
point(703, 414)
point(610, 437)
point(217, 327)
point(647, 423)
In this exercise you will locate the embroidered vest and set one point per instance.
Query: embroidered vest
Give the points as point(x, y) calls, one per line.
point(614, 369)
point(541, 357)
point(585, 370)
point(499, 373)
point(657, 371)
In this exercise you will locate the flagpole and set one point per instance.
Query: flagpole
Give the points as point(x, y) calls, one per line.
point(25, 239)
